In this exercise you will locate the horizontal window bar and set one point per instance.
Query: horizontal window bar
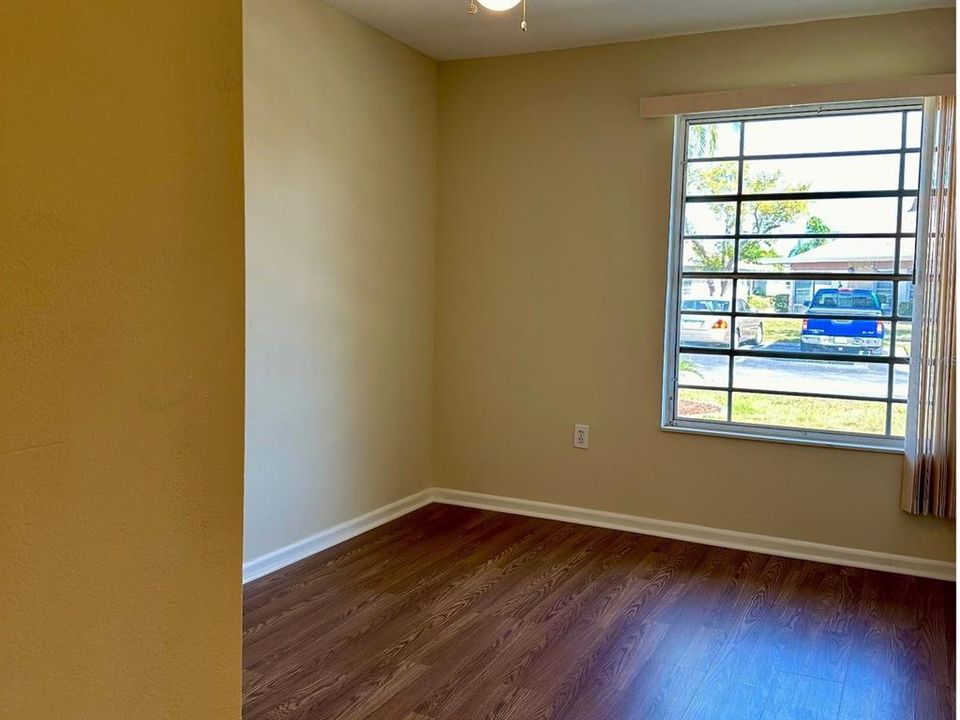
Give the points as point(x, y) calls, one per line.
point(797, 355)
point(793, 393)
point(774, 275)
point(792, 156)
point(787, 236)
point(789, 316)
point(837, 195)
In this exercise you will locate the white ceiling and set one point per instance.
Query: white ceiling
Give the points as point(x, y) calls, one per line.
point(443, 30)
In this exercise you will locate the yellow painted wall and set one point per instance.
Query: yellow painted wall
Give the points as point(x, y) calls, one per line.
point(121, 359)
point(341, 212)
point(551, 264)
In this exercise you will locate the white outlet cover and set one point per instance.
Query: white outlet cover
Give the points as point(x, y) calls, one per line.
point(581, 436)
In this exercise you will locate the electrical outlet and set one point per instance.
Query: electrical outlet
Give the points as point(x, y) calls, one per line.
point(581, 436)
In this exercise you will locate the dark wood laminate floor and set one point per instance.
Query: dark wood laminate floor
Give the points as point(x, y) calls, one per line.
point(452, 613)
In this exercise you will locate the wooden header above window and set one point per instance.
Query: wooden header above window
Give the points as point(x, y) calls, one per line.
point(749, 99)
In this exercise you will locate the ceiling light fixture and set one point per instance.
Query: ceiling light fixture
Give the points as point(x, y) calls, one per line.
point(499, 6)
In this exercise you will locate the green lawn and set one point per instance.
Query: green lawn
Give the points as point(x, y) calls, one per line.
point(904, 337)
point(776, 330)
point(798, 412)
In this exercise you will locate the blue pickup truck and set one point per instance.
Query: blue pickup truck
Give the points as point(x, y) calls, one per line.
point(858, 331)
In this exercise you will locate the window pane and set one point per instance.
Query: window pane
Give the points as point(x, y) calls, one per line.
point(707, 140)
point(901, 381)
point(707, 255)
point(911, 171)
point(907, 249)
point(794, 217)
point(751, 333)
point(704, 330)
point(712, 178)
point(908, 223)
point(822, 174)
point(828, 133)
point(817, 254)
point(898, 420)
point(904, 339)
point(709, 218)
point(905, 299)
point(867, 380)
point(887, 341)
point(769, 334)
point(763, 296)
point(701, 369)
point(701, 404)
point(706, 294)
point(854, 416)
point(914, 129)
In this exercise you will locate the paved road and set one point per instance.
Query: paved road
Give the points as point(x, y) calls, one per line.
point(842, 376)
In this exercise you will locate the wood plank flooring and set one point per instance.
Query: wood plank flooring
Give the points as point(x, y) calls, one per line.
point(459, 614)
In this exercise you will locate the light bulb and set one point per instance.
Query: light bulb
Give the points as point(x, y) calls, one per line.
point(499, 5)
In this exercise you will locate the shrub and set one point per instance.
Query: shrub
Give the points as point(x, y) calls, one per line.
point(905, 308)
point(781, 303)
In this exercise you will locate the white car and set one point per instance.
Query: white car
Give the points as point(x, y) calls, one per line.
point(714, 330)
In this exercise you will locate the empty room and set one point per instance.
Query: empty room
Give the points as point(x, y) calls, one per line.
point(478, 359)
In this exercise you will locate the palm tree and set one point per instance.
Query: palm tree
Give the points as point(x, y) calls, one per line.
point(703, 140)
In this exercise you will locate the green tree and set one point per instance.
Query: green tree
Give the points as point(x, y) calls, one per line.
point(703, 141)
point(815, 226)
point(757, 217)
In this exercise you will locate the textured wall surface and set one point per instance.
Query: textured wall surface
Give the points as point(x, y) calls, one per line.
point(341, 191)
point(121, 359)
point(554, 201)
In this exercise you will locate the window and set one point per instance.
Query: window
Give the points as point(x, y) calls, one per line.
point(791, 274)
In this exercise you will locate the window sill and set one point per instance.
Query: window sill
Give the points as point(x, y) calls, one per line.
point(789, 437)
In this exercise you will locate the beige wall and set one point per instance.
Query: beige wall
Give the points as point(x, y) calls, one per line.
point(341, 191)
point(121, 359)
point(552, 246)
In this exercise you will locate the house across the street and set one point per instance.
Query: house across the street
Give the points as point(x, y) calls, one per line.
point(842, 255)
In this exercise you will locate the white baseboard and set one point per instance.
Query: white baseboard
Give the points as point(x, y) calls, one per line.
point(770, 545)
point(271, 561)
point(803, 550)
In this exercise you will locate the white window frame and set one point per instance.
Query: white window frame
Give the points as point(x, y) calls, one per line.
point(669, 419)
